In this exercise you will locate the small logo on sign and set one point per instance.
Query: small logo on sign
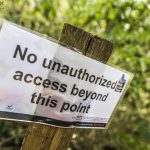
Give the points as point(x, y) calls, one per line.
point(10, 107)
point(120, 84)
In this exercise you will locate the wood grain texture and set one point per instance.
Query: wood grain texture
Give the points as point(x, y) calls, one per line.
point(75, 37)
point(44, 137)
point(99, 49)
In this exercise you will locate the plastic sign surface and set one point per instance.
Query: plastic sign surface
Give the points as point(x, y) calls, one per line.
point(44, 82)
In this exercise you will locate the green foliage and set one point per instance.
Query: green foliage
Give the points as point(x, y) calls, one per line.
point(11, 133)
point(127, 25)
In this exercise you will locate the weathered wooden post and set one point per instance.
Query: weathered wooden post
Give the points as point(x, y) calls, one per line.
point(43, 137)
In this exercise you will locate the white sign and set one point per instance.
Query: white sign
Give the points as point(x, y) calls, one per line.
point(44, 82)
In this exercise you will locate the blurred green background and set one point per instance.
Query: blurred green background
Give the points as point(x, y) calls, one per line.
point(124, 22)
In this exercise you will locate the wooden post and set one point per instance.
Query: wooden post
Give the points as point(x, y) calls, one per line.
point(44, 137)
